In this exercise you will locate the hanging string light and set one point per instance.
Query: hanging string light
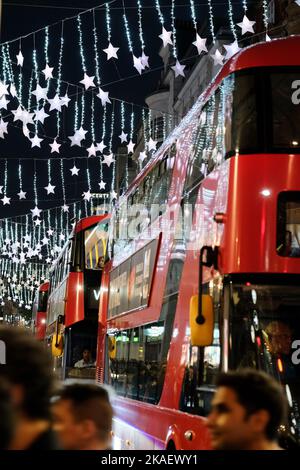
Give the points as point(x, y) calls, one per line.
point(231, 22)
point(127, 30)
point(193, 14)
point(141, 35)
point(265, 14)
point(245, 6)
point(174, 47)
point(211, 21)
point(108, 25)
point(61, 51)
point(97, 65)
point(110, 146)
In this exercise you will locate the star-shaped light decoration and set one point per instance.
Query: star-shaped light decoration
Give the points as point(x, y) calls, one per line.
point(74, 170)
point(50, 232)
point(3, 102)
point(200, 43)
point(108, 159)
point(231, 49)
point(101, 147)
point(36, 141)
point(111, 51)
point(102, 185)
point(20, 58)
point(27, 117)
point(246, 25)
point(13, 90)
point(37, 221)
point(88, 82)
point(3, 89)
point(48, 260)
point(50, 188)
point(65, 100)
point(91, 150)
point(103, 96)
point(3, 128)
point(18, 114)
point(151, 144)
point(142, 156)
point(130, 147)
point(65, 208)
point(55, 146)
point(6, 200)
point(165, 36)
point(75, 139)
point(48, 72)
point(27, 238)
point(123, 137)
point(40, 93)
point(26, 132)
point(217, 58)
point(35, 212)
point(82, 132)
point(45, 240)
point(22, 195)
point(113, 194)
point(145, 60)
point(40, 115)
point(62, 237)
point(55, 103)
point(268, 39)
point(178, 69)
point(87, 195)
point(137, 63)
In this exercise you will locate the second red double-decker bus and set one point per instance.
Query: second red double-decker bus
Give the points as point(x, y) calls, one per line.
point(212, 282)
point(75, 282)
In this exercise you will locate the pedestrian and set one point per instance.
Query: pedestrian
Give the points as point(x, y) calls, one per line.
point(247, 410)
point(82, 417)
point(28, 374)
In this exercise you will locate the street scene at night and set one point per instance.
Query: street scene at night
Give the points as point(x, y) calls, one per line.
point(150, 230)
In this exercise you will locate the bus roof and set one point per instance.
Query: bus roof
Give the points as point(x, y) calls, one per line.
point(44, 287)
point(87, 222)
point(278, 52)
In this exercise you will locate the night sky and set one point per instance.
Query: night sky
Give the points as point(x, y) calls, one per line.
point(119, 78)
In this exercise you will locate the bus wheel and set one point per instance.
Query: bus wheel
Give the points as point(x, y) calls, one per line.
point(171, 446)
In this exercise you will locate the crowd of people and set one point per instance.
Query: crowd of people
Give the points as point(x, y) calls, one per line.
point(36, 414)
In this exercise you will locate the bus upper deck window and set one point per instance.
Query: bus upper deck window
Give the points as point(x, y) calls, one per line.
point(288, 224)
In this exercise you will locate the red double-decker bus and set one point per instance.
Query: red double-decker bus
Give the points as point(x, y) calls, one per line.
point(72, 311)
point(218, 220)
point(39, 311)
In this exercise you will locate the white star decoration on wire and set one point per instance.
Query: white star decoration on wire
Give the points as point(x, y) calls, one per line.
point(40, 93)
point(123, 137)
point(3, 102)
point(217, 58)
point(50, 188)
point(91, 150)
point(145, 60)
point(178, 69)
point(65, 100)
point(55, 103)
point(20, 58)
point(200, 43)
point(40, 115)
point(130, 147)
point(165, 36)
point(108, 159)
point(246, 25)
point(74, 171)
point(3, 89)
point(101, 147)
point(6, 200)
point(102, 185)
point(3, 128)
point(88, 82)
point(22, 195)
point(103, 96)
point(87, 195)
point(111, 51)
point(55, 146)
point(48, 72)
point(35, 212)
point(65, 208)
point(231, 49)
point(36, 141)
point(151, 144)
point(137, 63)
point(142, 156)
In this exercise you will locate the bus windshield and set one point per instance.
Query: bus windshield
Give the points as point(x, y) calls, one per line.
point(262, 111)
point(95, 244)
point(265, 334)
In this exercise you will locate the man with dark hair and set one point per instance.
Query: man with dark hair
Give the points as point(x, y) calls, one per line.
point(247, 410)
point(83, 417)
point(28, 374)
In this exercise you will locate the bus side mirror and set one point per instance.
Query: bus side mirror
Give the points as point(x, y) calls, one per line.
point(57, 346)
point(202, 332)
